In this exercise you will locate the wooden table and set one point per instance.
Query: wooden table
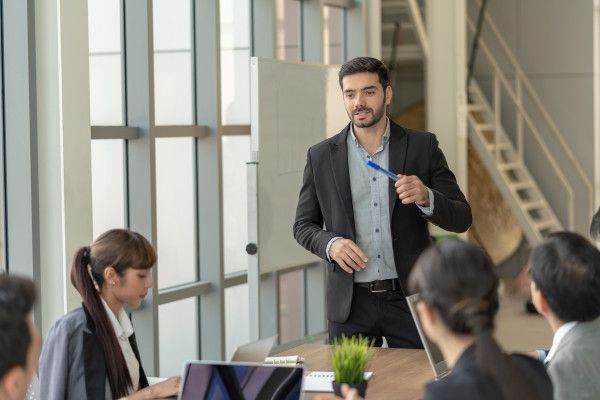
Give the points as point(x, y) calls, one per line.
point(397, 373)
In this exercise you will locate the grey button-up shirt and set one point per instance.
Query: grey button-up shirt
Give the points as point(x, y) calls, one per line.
point(370, 202)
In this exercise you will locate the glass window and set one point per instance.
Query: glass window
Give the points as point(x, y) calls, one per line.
point(176, 211)
point(177, 335)
point(237, 322)
point(235, 62)
point(106, 62)
point(334, 27)
point(173, 62)
point(288, 30)
point(291, 306)
point(108, 189)
point(236, 152)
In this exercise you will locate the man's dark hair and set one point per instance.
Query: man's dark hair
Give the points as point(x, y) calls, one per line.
point(566, 269)
point(595, 226)
point(365, 64)
point(17, 296)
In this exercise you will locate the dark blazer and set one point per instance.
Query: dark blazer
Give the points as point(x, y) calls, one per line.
point(467, 381)
point(72, 364)
point(325, 205)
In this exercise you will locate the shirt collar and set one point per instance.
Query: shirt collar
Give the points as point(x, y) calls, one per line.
point(386, 133)
point(122, 325)
point(558, 337)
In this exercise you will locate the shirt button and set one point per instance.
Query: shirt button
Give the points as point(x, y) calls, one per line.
point(374, 178)
point(376, 230)
point(375, 204)
point(378, 255)
point(369, 157)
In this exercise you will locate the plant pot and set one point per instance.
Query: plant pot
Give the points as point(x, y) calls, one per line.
point(361, 388)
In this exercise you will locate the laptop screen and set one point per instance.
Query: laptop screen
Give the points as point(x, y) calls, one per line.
point(237, 381)
point(435, 356)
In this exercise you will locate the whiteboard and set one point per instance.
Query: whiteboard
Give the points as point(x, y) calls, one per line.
point(293, 106)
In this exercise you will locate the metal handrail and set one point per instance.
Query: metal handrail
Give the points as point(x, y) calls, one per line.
point(499, 77)
point(417, 18)
point(522, 78)
point(473, 54)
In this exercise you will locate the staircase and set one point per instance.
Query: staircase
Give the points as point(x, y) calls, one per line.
point(402, 32)
point(502, 154)
point(505, 166)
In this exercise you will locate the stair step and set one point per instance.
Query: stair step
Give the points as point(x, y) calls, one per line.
point(520, 185)
point(476, 107)
point(532, 205)
point(511, 166)
point(502, 146)
point(549, 223)
point(485, 127)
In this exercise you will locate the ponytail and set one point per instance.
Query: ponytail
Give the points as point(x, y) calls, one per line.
point(478, 316)
point(88, 284)
point(458, 280)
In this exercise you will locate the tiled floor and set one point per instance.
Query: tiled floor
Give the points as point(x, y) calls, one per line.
point(518, 331)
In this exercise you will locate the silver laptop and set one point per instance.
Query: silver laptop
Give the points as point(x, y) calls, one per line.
point(240, 381)
point(434, 355)
point(255, 351)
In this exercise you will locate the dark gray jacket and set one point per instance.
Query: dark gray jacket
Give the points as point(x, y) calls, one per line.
point(72, 362)
point(325, 207)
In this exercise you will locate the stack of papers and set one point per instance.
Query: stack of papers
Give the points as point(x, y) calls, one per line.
point(285, 360)
point(320, 381)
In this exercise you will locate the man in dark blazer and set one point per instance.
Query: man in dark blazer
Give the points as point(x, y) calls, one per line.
point(369, 228)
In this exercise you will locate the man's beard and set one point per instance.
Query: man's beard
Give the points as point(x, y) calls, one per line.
point(377, 115)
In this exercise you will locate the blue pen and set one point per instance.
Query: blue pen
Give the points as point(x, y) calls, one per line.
point(380, 168)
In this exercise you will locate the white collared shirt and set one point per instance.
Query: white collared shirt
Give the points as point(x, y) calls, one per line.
point(123, 330)
point(558, 336)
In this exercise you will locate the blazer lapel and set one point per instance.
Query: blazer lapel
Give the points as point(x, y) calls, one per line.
point(338, 151)
point(397, 157)
point(143, 379)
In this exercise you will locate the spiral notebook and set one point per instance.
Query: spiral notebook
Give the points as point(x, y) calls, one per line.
point(320, 381)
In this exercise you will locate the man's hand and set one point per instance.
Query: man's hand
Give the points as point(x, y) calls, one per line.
point(410, 189)
point(348, 255)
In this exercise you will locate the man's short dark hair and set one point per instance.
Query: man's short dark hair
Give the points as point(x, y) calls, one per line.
point(17, 296)
point(365, 64)
point(566, 269)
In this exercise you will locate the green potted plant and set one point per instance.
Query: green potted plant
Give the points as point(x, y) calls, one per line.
point(349, 358)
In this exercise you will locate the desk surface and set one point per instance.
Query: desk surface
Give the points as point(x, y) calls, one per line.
point(397, 373)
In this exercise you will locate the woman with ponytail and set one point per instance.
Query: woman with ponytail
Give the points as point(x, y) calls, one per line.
point(91, 353)
point(458, 292)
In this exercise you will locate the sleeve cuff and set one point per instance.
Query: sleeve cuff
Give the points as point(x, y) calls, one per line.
point(428, 211)
point(329, 247)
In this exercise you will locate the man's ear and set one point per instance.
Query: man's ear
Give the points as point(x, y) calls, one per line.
point(13, 383)
point(538, 299)
point(388, 95)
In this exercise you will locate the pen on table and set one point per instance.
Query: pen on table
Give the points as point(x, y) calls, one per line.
point(378, 167)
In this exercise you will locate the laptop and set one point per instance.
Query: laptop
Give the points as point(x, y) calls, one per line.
point(434, 355)
point(255, 351)
point(240, 381)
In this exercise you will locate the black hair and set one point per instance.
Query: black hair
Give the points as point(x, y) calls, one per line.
point(17, 296)
point(365, 64)
point(566, 269)
point(457, 279)
point(120, 249)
